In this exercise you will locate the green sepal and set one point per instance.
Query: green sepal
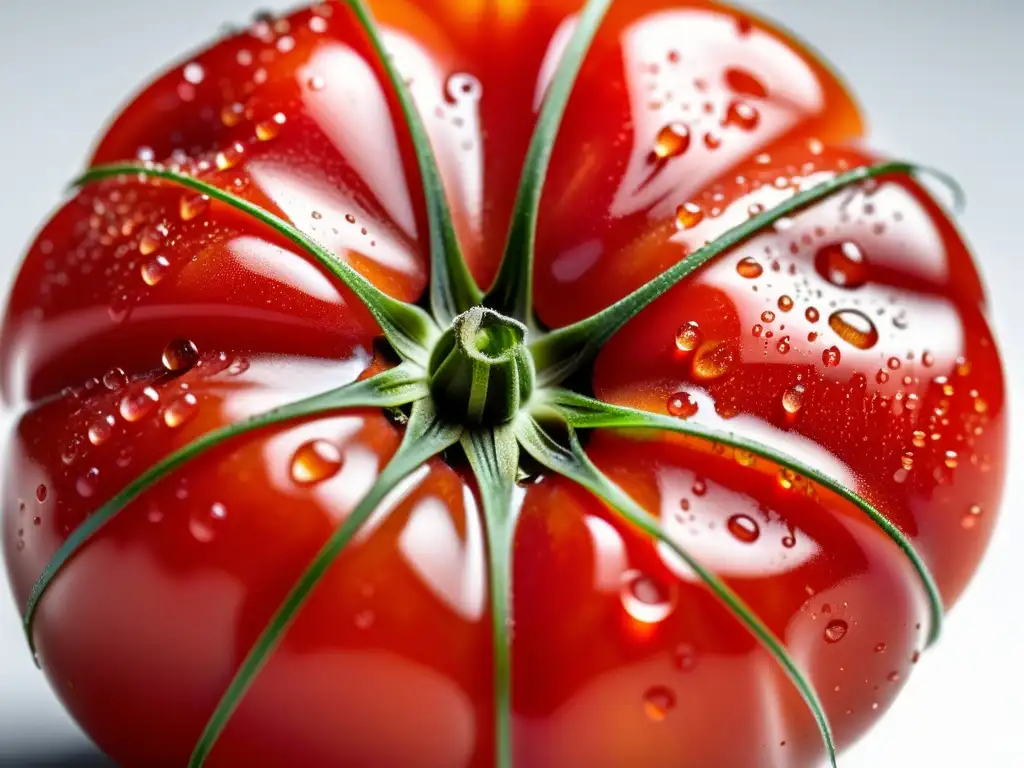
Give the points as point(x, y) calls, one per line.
point(452, 288)
point(562, 352)
point(397, 386)
point(409, 329)
point(494, 456)
point(424, 437)
point(511, 293)
point(571, 462)
point(587, 413)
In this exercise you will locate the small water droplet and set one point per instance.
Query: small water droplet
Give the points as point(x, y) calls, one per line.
point(115, 379)
point(785, 303)
point(689, 336)
point(893, 677)
point(742, 114)
point(181, 410)
point(316, 83)
point(689, 215)
point(205, 523)
point(672, 141)
point(835, 631)
point(749, 268)
point(86, 484)
point(744, 528)
point(138, 404)
point(854, 327)
point(232, 114)
point(271, 129)
point(194, 72)
point(681, 405)
point(812, 315)
point(713, 359)
point(192, 205)
point(154, 271)
point(951, 459)
point(783, 345)
point(180, 355)
point(842, 264)
point(315, 461)
point(150, 241)
point(101, 429)
point(645, 599)
point(699, 488)
point(40, 493)
point(228, 158)
point(793, 399)
point(658, 702)
point(880, 648)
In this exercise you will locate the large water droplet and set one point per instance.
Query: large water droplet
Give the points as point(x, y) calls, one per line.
point(192, 205)
point(270, 129)
point(744, 528)
point(315, 461)
point(138, 404)
point(150, 241)
point(115, 379)
point(793, 399)
point(749, 268)
point(672, 141)
point(154, 271)
point(835, 631)
point(681, 405)
point(658, 701)
point(842, 264)
point(101, 429)
point(228, 158)
point(689, 336)
point(743, 115)
point(181, 410)
point(831, 357)
point(689, 215)
point(645, 599)
point(854, 327)
point(180, 355)
point(713, 359)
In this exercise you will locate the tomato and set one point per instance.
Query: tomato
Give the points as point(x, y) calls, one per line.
point(851, 335)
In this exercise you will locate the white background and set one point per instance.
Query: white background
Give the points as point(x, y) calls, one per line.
point(939, 81)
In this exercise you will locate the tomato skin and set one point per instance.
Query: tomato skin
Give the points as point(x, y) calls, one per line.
point(390, 662)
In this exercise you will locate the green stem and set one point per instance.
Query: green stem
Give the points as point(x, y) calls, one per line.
point(586, 413)
point(394, 387)
point(511, 293)
point(564, 351)
point(574, 464)
point(425, 437)
point(494, 457)
point(410, 330)
point(452, 288)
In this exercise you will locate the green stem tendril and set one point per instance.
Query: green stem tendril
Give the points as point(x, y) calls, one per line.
point(562, 352)
point(424, 437)
point(494, 457)
point(409, 329)
point(573, 463)
point(586, 413)
point(452, 288)
point(512, 291)
point(391, 388)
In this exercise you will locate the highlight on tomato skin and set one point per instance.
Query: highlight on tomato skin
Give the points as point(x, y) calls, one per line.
point(852, 336)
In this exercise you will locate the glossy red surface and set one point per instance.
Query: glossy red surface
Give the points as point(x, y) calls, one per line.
point(853, 336)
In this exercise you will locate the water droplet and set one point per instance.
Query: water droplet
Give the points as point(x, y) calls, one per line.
point(658, 701)
point(893, 677)
point(689, 215)
point(742, 115)
point(154, 271)
point(713, 359)
point(842, 264)
point(194, 73)
point(689, 336)
point(316, 83)
point(150, 241)
point(672, 141)
point(238, 366)
point(749, 268)
point(180, 355)
point(880, 648)
point(699, 488)
point(783, 345)
point(744, 528)
point(115, 379)
point(40, 493)
point(793, 399)
point(270, 129)
point(181, 410)
point(138, 404)
point(86, 484)
point(835, 631)
point(364, 620)
point(854, 327)
point(192, 205)
point(744, 458)
point(228, 158)
point(951, 459)
point(756, 330)
point(232, 114)
point(743, 82)
point(101, 429)
point(785, 303)
point(812, 315)
point(681, 405)
point(315, 461)
point(645, 599)
point(204, 524)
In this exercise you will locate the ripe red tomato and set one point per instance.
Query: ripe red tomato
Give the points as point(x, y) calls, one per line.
point(851, 335)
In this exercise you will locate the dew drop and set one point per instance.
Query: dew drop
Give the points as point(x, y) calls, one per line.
point(812, 315)
point(101, 430)
point(316, 83)
point(713, 359)
point(270, 129)
point(86, 484)
point(689, 336)
point(194, 73)
point(115, 379)
point(768, 316)
point(232, 114)
point(749, 268)
point(880, 648)
point(711, 141)
point(842, 264)
point(204, 524)
point(689, 215)
point(785, 303)
point(793, 399)
point(684, 657)
point(854, 327)
point(830, 357)
point(672, 141)
point(315, 461)
point(658, 702)
point(192, 205)
point(154, 271)
point(699, 488)
point(180, 355)
point(783, 345)
point(40, 493)
point(951, 459)
point(742, 115)
point(138, 404)
point(681, 405)
point(744, 528)
point(645, 599)
point(149, 241)
point(181, 410)
point(893, 677)
point(835, 631)
point(228, 158)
